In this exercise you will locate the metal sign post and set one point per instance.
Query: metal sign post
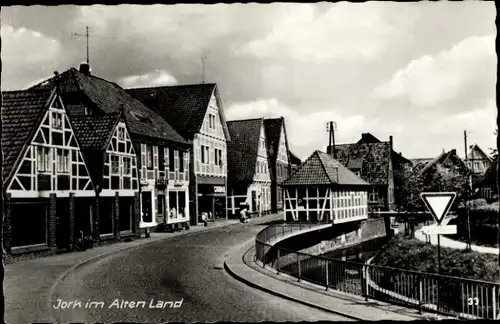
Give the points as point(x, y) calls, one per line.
point(438, 204)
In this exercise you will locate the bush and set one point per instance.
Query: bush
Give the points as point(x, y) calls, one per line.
point(411, 254)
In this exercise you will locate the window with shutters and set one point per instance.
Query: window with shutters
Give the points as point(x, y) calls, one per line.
point(181, 161)
point(149, 156)
point(43, 159)
point(62, 161)
point(171, 160)
point(161, 158)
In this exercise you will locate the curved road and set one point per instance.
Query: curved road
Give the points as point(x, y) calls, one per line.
point(187, 268)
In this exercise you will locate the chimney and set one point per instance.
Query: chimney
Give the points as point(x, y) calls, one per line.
point(85, 69)
point(390, 142)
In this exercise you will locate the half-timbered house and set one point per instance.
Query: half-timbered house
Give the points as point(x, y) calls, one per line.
point(249, 181)
point(323, 190)
point(279, 159)
point(377, 163)
point(111, 159)
point(162, 153)
point(44, 173)
point(196, 112)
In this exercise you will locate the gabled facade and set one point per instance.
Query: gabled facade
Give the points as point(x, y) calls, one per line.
point(150, 134)
point(323, 190)
point(249, 179)
point(44, 171)
point(487, 186)
point(108, 151)
point(477, 160)
point(376, 163)
point(279, 158)
point(196, 112)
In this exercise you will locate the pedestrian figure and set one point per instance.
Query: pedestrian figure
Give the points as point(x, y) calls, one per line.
point(243, 215)
point(204, 217)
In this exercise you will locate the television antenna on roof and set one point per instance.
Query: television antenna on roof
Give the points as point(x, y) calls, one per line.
point(87, 41)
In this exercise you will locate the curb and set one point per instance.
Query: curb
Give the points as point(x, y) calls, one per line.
point(105, 254)
point(272, 292)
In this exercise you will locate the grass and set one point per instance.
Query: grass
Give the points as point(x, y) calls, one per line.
point(411, 254)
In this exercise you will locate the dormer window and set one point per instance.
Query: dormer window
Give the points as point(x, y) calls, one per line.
point(56, 120)
point(140, 117)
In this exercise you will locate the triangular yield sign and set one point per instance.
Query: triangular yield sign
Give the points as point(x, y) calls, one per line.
point(438, 203)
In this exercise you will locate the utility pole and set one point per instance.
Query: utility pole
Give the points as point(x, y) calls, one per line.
point(87, 41)
point(331, 127)
point(468, 196)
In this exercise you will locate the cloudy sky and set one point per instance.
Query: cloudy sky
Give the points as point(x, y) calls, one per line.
point(423, 72)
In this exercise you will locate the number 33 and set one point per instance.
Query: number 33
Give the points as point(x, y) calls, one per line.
point(474, 301)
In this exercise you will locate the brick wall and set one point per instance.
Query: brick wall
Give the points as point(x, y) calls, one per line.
point(52, 220)
point(137, 215)
point(72, 220)
point(96, 219)
point(7, 232)
point(117, 215)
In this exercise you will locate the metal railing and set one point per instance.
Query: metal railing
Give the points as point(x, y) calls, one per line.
point(455, 296)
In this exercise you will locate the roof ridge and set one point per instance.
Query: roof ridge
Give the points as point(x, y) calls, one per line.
point(243, 120)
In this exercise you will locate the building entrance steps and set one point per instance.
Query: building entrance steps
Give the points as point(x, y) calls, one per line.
point(241, 265)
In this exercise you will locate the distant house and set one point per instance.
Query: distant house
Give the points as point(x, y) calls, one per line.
point(376, 163)
point(196, 112)
point(44, 173)
point(162, 153)
point(447, 161)
point(249, 179)
point(294, 161)
point(279, 158)
point(420, 162)
point(478, 161)
point(486, 185)
point(323, 190)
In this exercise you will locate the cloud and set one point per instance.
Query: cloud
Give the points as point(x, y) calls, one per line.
point(156, 78)
point(26, 50)
point(32, 46)
point(306, 131)
point(464, 71)
point(305, 35)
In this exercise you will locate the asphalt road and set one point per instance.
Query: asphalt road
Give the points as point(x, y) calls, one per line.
point(187, 268)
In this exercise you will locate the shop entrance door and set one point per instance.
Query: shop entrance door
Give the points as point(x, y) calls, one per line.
point(254, 201)
point(147, 216)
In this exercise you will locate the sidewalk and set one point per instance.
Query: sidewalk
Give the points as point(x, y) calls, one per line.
point(449, 243)
point(241, 266)
point(28, 284)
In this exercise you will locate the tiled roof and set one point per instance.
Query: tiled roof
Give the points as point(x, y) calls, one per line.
point(183, 106)
point(374, 158)
point(93, 134)
point(322, 169)
point(109, 98)
point(368, 138)
point(242, 151)
point(450, 156)
point(272, 127)
point(421, 161)
point(294, 159)
point(22, 112)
